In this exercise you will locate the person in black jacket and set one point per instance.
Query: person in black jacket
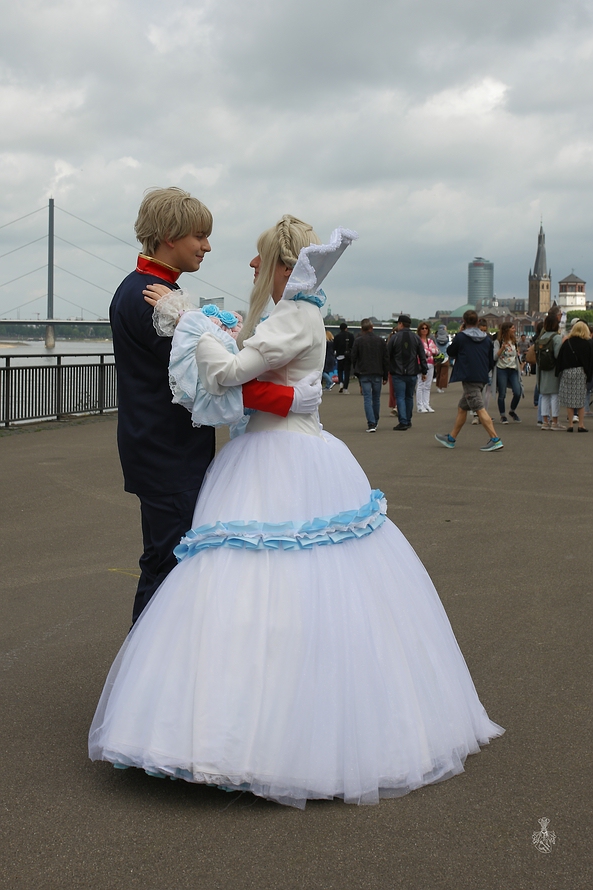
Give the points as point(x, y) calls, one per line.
point(473, 352)
point(369, 360)
point(164, 457)
point(407, 358)
point(343, 345)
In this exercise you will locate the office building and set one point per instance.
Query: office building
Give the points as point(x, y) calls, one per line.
point(480, 282)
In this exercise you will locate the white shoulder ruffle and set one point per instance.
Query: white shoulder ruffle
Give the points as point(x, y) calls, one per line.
point(167, 311)
point(315, 262)
point(206, 409)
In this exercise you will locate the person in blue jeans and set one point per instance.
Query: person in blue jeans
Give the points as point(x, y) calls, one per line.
point(369, 360)
point(407, 358)
point(507, 369)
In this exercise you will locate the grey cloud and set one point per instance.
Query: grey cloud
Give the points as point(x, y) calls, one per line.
point(439, 130)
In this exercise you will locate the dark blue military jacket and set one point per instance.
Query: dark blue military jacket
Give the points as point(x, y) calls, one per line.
point(160, 451)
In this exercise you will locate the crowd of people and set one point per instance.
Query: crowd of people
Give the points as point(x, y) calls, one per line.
point(485, 363)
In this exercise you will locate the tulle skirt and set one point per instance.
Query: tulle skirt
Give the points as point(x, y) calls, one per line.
point(330, 671)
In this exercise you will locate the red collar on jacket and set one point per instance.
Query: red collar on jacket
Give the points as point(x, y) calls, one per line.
point(147, 265)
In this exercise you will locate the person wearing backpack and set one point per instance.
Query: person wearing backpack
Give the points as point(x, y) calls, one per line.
point(547, 346)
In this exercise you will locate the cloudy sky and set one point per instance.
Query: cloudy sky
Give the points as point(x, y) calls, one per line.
point(438, 130)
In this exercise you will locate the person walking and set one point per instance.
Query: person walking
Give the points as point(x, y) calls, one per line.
point(472, 350)
point(369, 360)
point(487, 391)
point(392, 403)
point(546, 349)
point(507, 370)
point(574, 366)
point(406, 355)
point(343, 345)
point(330, 361)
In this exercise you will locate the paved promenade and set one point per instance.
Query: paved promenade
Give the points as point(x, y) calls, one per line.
point(507, 538)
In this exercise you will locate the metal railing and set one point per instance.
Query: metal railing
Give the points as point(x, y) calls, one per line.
point(48, 391)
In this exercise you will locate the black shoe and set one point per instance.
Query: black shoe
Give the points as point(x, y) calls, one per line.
point(372, 428)
point(402, 426)
point(582, 429)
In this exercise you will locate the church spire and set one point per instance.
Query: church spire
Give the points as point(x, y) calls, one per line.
point(540, 269)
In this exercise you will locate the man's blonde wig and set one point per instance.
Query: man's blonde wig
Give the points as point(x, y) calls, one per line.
point(168, 215)
point(280, 244)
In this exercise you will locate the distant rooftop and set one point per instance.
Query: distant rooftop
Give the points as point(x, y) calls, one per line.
point(572, 279)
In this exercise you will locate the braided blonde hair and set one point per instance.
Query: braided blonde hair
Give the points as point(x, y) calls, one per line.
point(280, 244)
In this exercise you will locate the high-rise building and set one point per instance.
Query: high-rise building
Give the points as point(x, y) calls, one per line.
point(540, 279)
point(480, 282)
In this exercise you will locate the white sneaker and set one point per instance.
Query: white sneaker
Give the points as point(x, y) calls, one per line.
point(440, 390)
point(346, 393)
point(430, 410)
point(422, 411)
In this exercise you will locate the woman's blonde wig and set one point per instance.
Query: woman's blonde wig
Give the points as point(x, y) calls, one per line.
point(168, 215)
point(280, 244)
point(580, 329)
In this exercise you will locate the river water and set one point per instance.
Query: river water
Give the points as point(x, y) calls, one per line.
point(18, 349)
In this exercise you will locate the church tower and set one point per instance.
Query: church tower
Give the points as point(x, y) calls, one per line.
point(540, 280)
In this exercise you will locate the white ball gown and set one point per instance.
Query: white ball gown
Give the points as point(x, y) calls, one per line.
point(299, 650)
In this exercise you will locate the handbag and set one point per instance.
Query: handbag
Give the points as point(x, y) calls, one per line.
point(530, 355)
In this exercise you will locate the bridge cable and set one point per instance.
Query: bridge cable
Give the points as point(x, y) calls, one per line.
point(43, 237)
point(77, 306)
point(33, 212)
point(117, 238)
point(96, 256)
point(14, 308)
point(86, 281)
point(24, 276)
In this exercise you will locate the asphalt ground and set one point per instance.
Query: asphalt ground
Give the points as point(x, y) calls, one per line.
point(506, 537)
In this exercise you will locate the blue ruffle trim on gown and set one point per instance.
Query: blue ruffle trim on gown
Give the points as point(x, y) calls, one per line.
point(287, 535)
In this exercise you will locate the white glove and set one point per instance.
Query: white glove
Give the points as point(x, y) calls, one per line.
point(307, 394)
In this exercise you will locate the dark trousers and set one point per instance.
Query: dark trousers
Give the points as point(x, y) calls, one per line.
point(507, 377)
point(344, 371)
point(404, 387)
point(165, 519)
